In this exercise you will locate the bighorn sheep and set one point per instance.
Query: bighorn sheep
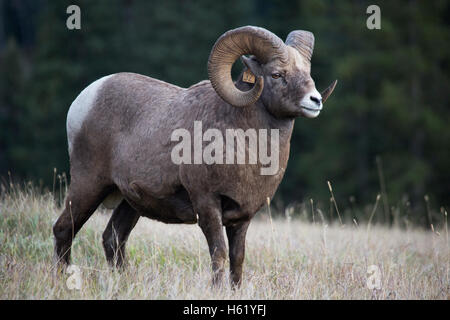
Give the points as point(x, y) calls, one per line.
point(119, 133)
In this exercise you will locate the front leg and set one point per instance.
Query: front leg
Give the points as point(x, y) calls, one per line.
point(210, 221)
point(236, 242)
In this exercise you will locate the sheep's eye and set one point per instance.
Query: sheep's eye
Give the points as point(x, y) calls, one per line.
point(276, 75)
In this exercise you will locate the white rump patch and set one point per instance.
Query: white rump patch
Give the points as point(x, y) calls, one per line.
point(80, 108)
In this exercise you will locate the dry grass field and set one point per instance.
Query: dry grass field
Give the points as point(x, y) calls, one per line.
point(286, 259)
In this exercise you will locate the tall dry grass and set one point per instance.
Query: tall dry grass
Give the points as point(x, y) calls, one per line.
point(285, 259)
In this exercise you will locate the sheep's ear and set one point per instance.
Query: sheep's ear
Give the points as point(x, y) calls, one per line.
point(252, 68)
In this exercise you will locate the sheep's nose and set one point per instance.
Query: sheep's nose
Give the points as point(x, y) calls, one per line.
point(316, 100)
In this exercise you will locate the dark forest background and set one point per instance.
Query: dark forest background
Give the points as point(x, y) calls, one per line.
point(385, 129)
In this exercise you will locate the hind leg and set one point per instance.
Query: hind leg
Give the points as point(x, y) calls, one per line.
point(84, 196)
point(115, 236)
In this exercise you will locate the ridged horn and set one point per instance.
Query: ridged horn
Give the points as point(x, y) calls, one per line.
point(303, 41)
point(261, 43)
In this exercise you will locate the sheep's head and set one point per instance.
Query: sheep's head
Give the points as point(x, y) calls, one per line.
point(280, 71)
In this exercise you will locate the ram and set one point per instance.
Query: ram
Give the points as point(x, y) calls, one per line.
point(120, 129)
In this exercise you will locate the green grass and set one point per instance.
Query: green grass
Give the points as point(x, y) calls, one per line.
point(289, 259)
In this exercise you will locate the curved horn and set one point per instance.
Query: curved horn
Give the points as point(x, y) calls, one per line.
point(228, 48)
point(327, 92)
point(303, 41)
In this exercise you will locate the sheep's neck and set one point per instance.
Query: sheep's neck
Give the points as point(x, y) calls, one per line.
point(262, 118)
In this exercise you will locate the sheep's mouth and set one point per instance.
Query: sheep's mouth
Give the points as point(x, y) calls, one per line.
point(309, 112)
point(311, 109)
